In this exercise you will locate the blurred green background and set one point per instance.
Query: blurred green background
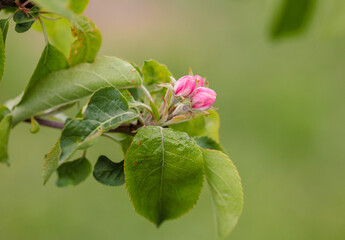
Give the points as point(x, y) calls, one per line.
point(282, 122)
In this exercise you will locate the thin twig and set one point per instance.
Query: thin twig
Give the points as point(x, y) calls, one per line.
point(127, 129)
point(51, 19)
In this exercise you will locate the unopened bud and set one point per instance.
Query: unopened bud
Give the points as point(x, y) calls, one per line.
point(203, 98)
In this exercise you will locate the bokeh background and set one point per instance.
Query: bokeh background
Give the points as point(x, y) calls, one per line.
point(282, 112)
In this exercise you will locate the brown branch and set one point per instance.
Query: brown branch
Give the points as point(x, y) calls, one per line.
point(127, 129)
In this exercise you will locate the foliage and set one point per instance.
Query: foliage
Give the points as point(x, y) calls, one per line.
point(292, 18)
point(166, 141)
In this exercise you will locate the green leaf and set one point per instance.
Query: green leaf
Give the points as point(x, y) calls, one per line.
point(108, 172)
point(226, 190)
point(2, 55)
point(3, 111)
point(73, 173)
point(25, 20)
point(35, 127)
point(154, 73)
point(78, 6)
point(60, 7)
point(51, 60)
point(5, 127)
point(51, 162)
point(208, 143)
point(106, 110)
point(201, 126)
point(154, 111)
point(34, 12)
point(127, 95)
point(4, 23)
point(293, 17)
point(22, 17)
point(65, 8)
point(164, 173)
point(66, 86)
point(126, 143)
point(88, 42)
point(23, 27)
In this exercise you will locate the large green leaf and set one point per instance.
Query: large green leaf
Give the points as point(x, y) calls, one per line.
point(201, 126)
point(108, 172)
point(164, 173)
point(226, 190)
point(293, 17)
point(88, 42)
point(73, 173)
point(51, 162)
point(66, 86)
point(3, 111)
point(154, 72)
point(107, 109)
point(51, 60)
point(5, 127)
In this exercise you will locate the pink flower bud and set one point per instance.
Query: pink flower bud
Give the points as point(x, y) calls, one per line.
point(203, 98)
point(199, 81)
point(184, 86)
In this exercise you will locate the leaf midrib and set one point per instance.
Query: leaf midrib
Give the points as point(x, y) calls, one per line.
point(162, 175)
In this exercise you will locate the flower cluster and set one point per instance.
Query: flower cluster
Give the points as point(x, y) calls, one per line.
point(192, 87)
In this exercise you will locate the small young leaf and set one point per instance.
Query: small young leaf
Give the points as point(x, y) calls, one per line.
point(66, 86)
point(154, 111)
point(51, 162)
point(154, 72)
point(51, 60)
point(293, 17)
point(208, 143)
point(23, 27)
point(5, 127)
point(88, 42)
point(164, 173)
point(107, 109)
point(108, 172)
point(226, 190)
point(34, 12)
point(73, 173)
point(35, 127)
point(22, 17)
point(201, 126)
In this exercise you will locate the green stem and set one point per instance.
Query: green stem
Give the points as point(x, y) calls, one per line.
point(147, 93)
point(44, 31)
